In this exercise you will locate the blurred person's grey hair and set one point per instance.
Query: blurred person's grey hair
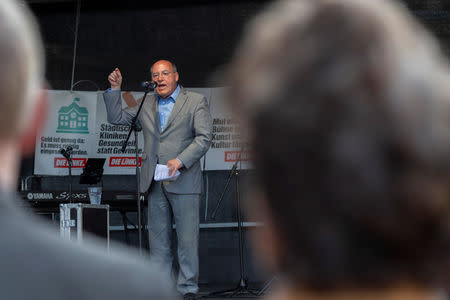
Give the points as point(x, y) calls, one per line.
point(350, 100)
point(22, 66)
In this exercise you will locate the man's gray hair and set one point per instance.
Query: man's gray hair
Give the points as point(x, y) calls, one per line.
point(22, 66)
point(351, 100)
point(282, 43)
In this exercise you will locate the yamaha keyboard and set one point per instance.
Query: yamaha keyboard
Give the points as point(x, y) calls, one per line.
point(50, 200)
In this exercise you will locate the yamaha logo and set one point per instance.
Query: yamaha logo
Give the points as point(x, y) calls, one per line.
point(40, 196)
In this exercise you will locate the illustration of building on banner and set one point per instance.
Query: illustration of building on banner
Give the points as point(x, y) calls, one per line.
point(73, 118)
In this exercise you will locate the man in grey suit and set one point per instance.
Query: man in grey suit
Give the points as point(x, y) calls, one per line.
point(177, 132)
point(35, 262)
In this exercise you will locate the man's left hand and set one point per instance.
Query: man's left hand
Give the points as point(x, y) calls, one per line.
point(173, 165)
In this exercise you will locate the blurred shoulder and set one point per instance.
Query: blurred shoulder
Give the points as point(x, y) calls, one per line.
point(86, 271)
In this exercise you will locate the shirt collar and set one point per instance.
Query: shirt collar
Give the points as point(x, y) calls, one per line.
point(173, 97)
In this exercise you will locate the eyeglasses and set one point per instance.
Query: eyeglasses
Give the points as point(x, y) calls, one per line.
point(163, 74)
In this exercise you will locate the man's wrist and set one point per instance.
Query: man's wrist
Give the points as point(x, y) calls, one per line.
point(182, 165)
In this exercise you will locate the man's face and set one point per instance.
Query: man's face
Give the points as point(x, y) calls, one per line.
point(165, 77)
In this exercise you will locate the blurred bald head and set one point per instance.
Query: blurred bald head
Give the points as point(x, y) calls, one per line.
point(21, 67)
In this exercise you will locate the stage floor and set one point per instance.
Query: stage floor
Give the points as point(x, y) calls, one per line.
point(206, 292)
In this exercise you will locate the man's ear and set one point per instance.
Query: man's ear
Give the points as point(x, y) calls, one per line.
point(38, 117)
point(266, 238)
point(176, 76)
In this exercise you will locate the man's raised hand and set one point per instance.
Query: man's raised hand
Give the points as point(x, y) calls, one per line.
point(115, 79)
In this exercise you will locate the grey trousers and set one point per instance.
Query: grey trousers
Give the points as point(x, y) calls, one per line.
point(184, 208)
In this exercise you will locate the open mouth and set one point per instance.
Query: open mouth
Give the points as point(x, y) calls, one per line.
point(162, 85)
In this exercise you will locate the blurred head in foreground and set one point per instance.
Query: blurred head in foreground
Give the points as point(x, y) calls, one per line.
point(350, 101)
point(22, 101)
point(35, 262)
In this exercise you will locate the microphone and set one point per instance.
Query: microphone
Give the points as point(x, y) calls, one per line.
point(66, 152)
point(149, 85)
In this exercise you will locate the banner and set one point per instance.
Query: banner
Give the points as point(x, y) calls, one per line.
point(226, 143)
point(78, 119)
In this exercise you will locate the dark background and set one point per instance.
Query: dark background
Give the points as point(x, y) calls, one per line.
point(200, 37)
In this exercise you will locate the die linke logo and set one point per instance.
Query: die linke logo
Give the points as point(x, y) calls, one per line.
point(116, 161)
point(232, 156)
point(61, 162)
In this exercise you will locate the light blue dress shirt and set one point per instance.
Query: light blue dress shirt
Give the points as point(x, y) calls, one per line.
point(165, 107)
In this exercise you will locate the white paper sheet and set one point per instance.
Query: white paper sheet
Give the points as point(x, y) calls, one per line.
point(162, 173)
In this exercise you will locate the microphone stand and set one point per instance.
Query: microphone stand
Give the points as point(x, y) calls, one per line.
point(134, 127)
point(69, 160)
point(242, 287)
point(67, 154)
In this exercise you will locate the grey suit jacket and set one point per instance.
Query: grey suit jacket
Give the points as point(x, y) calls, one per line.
point(37, 264)
point(187, 136)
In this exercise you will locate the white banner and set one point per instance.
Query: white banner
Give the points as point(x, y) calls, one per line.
point(78, 119)
point(226, 143)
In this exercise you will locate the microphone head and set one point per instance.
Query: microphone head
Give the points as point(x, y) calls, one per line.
point(149, 85)
point(65, 153)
